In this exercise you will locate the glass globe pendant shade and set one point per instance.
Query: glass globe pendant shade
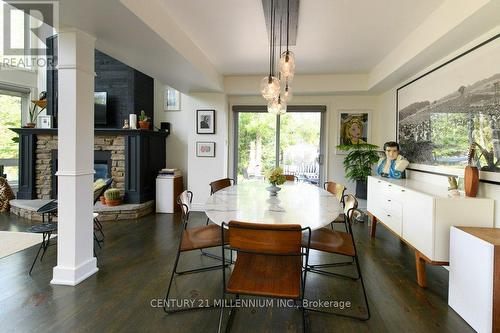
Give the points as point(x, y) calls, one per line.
point(287, 94)
point(270, 87)
point(287, 65)
point(277, 106)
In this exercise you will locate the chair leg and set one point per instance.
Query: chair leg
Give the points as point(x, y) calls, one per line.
point(174, 272)
point(97, 241)
point(46, 245)
point(358, 269)
point(38, 253)
point(208, 221)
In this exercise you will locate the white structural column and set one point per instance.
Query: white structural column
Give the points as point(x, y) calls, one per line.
point(75, 259)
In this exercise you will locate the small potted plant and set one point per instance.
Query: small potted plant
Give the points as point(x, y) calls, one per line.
point(275, 177)
point(34, 113)
point(143, 121)
point(113, 197)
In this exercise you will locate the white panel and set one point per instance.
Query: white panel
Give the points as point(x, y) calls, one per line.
point(471, 279)
point(418, 221)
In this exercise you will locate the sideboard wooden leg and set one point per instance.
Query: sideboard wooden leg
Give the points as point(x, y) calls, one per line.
point(373, 227)
point(420, 266)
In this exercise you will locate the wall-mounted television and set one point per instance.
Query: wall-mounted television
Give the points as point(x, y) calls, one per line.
point(100, 106)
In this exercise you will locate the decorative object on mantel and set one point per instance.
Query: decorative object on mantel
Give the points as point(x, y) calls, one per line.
point(125, 124)
point(44, 122)
point(41, 103)
point(113, 197)
point(394, 164)
point(436, 125)
point(275, 177)
point(471, 173)
point(205, 149)
point(132, 121)
point(358, 164)
point(453, 189)
point(205, 121)
point(143, 121)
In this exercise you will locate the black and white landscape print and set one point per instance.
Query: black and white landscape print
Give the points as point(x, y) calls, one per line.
point(449, 108)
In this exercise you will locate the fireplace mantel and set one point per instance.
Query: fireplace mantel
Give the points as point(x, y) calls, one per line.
point(144, 154)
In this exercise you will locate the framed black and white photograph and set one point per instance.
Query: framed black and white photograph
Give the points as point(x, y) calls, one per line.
point(451, 107)
point(205, 121)
point(171, 99)
point(44, 122)
point(205, 149)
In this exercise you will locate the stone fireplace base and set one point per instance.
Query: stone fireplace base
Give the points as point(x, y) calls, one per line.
point(27, 209)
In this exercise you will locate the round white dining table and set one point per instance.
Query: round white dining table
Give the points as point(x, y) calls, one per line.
point(296, 203)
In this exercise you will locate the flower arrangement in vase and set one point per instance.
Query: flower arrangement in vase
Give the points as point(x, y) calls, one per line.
point(275, 177)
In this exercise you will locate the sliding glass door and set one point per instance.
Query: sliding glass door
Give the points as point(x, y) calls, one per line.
point(293, 141)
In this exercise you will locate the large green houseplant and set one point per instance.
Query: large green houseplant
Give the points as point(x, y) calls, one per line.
point(358, 164)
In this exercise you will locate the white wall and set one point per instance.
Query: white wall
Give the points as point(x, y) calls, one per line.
point(198, 172)
point(387, 112)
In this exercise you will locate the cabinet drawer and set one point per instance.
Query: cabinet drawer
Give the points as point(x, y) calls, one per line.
point(395, 223)
point(391, 206)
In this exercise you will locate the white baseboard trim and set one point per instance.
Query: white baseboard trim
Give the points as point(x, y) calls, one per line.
point(71, 276)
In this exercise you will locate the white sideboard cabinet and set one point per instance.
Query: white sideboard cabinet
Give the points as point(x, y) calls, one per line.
point(421, 214)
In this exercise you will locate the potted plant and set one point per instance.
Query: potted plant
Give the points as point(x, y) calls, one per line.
point(143, 121)
point(113, 197)
point(33, 114)
point(358, 164)
point(275, 177)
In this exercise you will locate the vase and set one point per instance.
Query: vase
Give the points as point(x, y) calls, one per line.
point(471, 181)
point(273, 189)
point(144, 125)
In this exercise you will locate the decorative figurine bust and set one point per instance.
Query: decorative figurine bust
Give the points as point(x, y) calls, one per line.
point(393, 165)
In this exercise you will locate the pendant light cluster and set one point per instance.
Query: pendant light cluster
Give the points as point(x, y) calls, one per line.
point(271, 86)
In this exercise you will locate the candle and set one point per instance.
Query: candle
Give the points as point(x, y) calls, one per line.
point(132, 121)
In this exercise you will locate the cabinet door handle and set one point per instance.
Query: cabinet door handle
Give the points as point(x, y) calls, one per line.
point(389, 200)
point(403, 191)
point(388, 215)
point(390, 185)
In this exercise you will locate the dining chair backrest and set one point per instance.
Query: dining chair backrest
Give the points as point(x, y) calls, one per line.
point(184, 201)
point(338, 190)
point(220, 184)
point(290, 178)
point(274, 239)
point(350, 205)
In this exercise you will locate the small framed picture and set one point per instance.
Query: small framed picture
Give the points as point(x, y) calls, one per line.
point(205, 121)
point(205, 149)
point(44, 122)
point(171, 100)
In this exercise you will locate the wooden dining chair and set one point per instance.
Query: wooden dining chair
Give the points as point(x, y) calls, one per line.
point(193, 238)
point(290, 178)
point(337, 190)
point(220, 184)
point(268, 263)
point(340, 243)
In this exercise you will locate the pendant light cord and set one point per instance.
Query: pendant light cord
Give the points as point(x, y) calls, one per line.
point(271, 40)
point(287, 23)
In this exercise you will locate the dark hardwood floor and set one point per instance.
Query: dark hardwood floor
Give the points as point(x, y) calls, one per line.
point(135, 265)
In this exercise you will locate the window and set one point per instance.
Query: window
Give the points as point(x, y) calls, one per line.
point(292, 141)
point(11, 106)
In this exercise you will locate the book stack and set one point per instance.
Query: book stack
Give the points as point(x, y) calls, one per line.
point(169, 173)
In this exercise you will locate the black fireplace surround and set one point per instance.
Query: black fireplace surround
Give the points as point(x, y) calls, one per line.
point(145, 155)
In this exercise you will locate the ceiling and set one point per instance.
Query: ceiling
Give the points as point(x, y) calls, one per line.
point(333, 37)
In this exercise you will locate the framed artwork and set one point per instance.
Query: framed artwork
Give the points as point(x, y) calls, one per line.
point(353, 127)
point(205, 149)
point(171, 99)
point(205, 121)
point(442, 112)
point(44, 122)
